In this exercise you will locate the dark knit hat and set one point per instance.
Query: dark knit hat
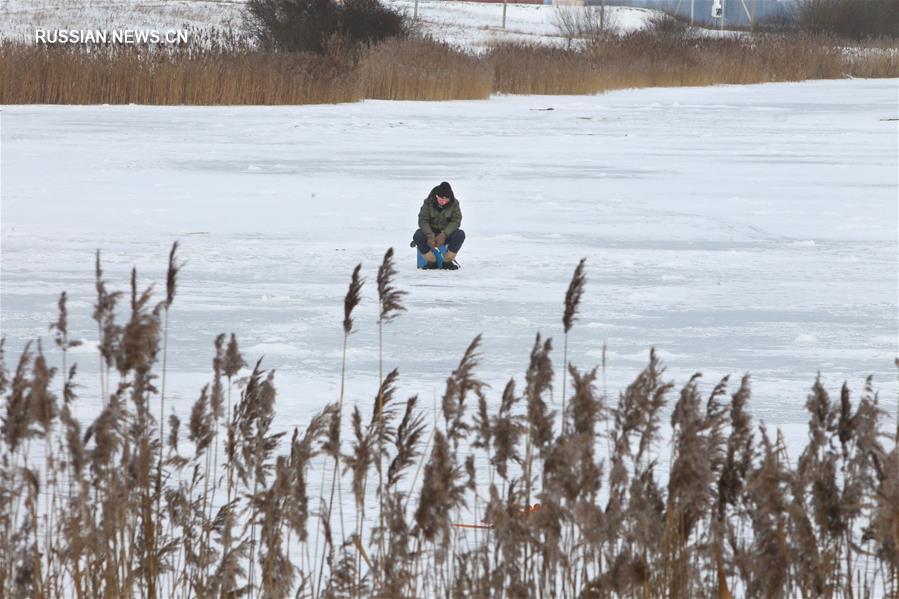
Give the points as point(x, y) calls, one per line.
point(444, 191)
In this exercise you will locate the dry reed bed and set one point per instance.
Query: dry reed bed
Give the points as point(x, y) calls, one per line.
point(418, 69)
point(423, 69)
point(59, 75)
point(141, 503)
point(647, 59)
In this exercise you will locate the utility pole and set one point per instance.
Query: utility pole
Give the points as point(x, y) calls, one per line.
point(750, 16)
point(504, 14)
point(415, 12)
point(692, 11)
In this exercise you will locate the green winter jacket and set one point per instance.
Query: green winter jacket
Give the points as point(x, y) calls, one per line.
point(432, 219)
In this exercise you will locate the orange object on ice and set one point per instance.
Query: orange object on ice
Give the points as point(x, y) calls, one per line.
point(521, 511)
point(472, 525)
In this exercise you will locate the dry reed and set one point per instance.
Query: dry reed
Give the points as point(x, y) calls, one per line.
point(652, 59)
point(230, 72)
point(423, 69)
point(121, 75)
point(118, 510)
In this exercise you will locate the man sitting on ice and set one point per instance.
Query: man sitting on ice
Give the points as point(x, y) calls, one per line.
point(438, 225)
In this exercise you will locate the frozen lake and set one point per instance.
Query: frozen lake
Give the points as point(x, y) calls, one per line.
point(736, 229)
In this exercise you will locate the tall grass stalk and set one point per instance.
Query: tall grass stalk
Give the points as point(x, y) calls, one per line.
point(351, 300)
point(171, 283)
point(572, 300)
point(390, 305)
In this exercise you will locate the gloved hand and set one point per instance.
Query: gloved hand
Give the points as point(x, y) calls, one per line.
point(432, 242)
point(441, 239)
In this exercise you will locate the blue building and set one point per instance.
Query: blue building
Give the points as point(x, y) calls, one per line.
point(736, 13)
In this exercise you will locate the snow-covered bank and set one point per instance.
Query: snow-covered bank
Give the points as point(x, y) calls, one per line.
point(469, 24)
point(735, 228)
point(20, 18)
point(478, 25)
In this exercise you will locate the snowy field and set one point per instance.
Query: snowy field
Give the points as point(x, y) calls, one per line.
point(469, 24)
point(479, 25)
point(736, 229)
point(19, 18)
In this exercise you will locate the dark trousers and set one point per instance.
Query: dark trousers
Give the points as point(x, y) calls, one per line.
point(453, 242)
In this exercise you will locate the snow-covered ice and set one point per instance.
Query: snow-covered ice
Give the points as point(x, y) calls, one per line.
point(736, 229)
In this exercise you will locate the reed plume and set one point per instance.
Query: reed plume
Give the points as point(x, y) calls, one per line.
point(4, 375)
point(389, 296)
point(406, 442)
point(352, 299)
point(506, 430)
point(442, 491)
point(458, 386)
point(572, 301)
point(108, 331)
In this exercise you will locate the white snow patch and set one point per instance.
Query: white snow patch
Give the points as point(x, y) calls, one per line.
point(86, 347)
point(275, 299)
point(275, 348)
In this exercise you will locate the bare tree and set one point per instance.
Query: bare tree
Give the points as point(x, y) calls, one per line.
point(582, 22)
